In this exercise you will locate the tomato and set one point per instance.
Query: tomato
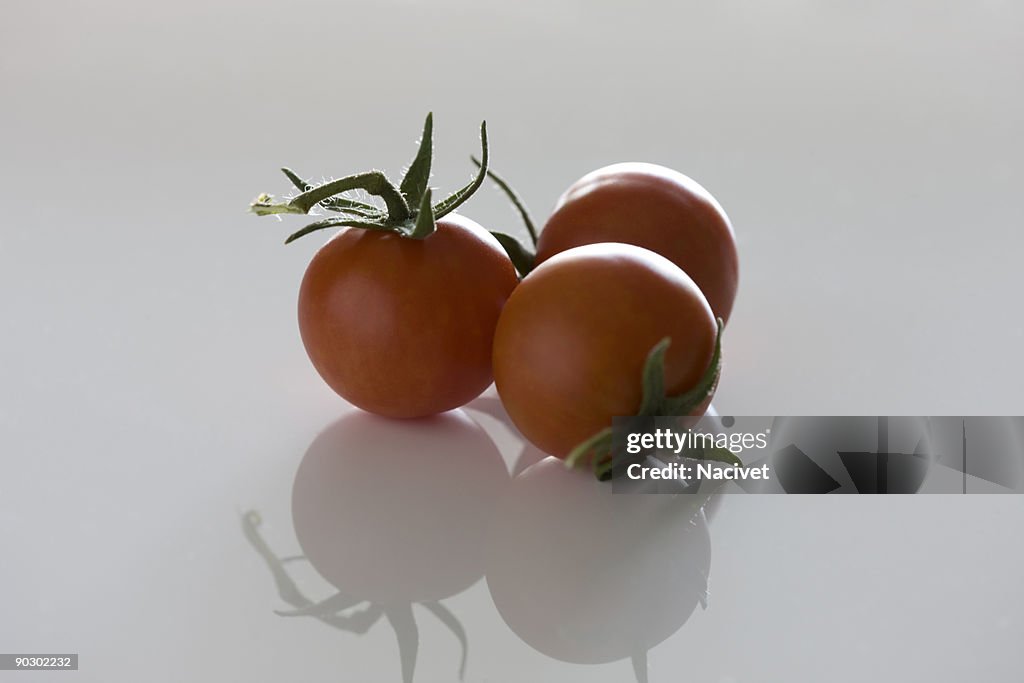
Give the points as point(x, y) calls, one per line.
point(588, 576)
point(570, 345)
point(403, 327)
point(396, 512)
point(656, 208)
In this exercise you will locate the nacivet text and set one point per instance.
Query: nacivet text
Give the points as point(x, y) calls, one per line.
point(697, 470)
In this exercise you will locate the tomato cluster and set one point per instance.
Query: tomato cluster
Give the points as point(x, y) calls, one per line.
point(411, 310)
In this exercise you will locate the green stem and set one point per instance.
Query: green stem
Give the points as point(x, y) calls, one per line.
point(264, 205)
point(340, 204)
point(684, 403)
point(454, 200)
point(514, 198)
point(374, 182)
point(597, 445)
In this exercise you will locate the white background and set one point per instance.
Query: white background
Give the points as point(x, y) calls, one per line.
point(152, 384)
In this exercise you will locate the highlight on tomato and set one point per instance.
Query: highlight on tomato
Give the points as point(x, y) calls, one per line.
point(397, 310)
point(600, 331)
point(656, 208)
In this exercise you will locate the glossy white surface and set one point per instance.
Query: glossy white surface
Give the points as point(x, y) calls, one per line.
point(153, 387)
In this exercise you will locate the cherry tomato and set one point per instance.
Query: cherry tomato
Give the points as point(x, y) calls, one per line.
point(570, 346)
point(403, 327)
point(656, 208)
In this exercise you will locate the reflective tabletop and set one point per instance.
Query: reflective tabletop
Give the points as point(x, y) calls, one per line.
point(182, 498)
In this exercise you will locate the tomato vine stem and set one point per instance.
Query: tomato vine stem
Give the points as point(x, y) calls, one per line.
point(407, 206)
point(522, 258)
point(339, 204)
point(513, 197)
point(373, 182)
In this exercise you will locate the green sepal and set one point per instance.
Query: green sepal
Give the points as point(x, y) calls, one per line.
point(599, 444)
point(336, 223)
point(300, 184)
point(373, 182)
point(654, 403)
point(454, 200)
point(353, 208)
point(339, 204)
point(520, 256)
point(513, 197)
point(653, 381)
point(414, 218)
point(414, 184)
point(604, 464)
point(685, 403)
point(425, 224)
point(722, 455)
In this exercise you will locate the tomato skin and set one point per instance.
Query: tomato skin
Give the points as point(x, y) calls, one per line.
point(571, 343)
point(401, 327)
point(656, 208)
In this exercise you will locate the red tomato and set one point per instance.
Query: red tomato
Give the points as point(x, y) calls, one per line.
point(656, 208)
point(571, 343)
point(403, 327)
